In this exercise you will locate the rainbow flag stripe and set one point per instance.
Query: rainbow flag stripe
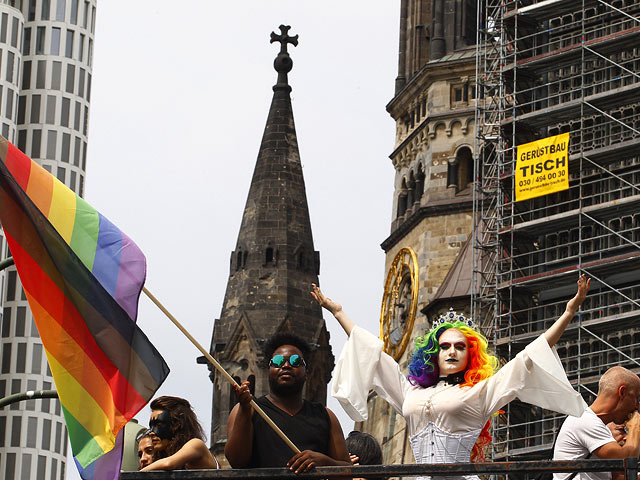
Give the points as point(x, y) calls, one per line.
point(82, 277)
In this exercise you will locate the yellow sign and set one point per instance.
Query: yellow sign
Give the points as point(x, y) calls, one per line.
point(542, 167)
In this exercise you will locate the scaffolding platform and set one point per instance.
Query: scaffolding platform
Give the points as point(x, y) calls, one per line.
point(546, 68)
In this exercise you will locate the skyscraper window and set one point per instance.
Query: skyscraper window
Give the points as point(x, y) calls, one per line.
point(66, 147)
point(66, 106)
point(55, 41)
point(10, 469)
point(32, 428)
point(26, 465)
point(26, 42)
point(85, 16)
point(36, 143)
point(40, 37)
point(81, 75)
point(6, 358)
point(74, 12)
point(68, 52)
point(36, 359)
point(56, 73)
point(21, 358)
point(81, 47)
point(26, 75)
point(9, 104)
point(52, 137)
point(41, 74)
point(20, 321)
point(31, 16)
point(46, 9)
point(3, 28)
point(6, 324)
point(46, 434)
point(76, 117)
point(15, 30)
point(10, 62)
point(51, 115)
point(35, 109)
point(71, 78)
point(60, 7)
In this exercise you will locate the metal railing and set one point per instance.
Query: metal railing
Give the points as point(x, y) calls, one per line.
point(628, 465)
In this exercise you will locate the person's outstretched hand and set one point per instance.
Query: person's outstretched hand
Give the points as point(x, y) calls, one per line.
point(583, 289)
point(324, 302)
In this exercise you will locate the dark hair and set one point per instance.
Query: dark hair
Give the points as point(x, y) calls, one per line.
point(365, 447)
point(184, 423)
point(285, 338)
point(143, 433)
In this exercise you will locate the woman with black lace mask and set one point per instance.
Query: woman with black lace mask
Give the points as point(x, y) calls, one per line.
point(178, 437)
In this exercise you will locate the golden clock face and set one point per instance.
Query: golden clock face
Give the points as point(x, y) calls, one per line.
point(399, 303)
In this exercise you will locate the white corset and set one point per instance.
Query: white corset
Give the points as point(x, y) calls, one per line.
point(434, 445)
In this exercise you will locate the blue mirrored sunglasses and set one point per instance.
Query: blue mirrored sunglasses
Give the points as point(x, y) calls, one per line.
point(295, 361)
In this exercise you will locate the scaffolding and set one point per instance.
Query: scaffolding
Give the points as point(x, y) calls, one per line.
point(546, 68)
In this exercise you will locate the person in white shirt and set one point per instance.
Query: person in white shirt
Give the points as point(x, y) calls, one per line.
point(589, 437)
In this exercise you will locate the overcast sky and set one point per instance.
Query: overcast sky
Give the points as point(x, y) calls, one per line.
point(180, 96)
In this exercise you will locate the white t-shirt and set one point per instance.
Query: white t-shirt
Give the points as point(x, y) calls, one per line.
point(578, 437)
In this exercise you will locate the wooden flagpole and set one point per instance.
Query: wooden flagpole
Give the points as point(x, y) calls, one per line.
point(220, 369)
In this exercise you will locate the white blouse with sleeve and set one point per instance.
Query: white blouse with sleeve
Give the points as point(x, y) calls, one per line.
point(445, 420)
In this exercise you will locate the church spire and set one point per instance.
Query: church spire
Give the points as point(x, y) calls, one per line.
point(273, 264)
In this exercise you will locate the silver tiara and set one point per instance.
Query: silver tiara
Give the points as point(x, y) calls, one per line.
point(450, 317)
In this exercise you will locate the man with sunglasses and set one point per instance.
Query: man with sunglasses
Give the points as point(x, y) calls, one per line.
point(313, 428)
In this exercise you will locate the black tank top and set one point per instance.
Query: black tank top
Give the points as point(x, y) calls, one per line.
point(309, 429)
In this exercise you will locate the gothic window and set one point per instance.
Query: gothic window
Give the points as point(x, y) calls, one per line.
point(456, 94)
point(271, 255)
point(410, 191)
point(464, 161)
point(460, 93)
point(402, 199)
point(238, 259)
point(419, 184)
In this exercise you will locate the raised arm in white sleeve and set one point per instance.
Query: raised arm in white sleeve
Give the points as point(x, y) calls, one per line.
point(363, 366)
point(535, 376)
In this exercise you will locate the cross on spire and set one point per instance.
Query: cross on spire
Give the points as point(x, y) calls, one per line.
point(284, 38)
point(283, 63)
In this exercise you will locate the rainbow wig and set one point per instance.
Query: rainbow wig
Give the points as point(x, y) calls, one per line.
point(423, 369)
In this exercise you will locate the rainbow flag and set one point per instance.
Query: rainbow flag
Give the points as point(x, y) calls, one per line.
point(82, 277)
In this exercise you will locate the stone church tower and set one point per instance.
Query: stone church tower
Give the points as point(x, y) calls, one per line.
point(272, 267)
point(428, 263)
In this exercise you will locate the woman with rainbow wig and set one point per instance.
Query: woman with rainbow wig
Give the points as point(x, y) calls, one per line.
point(454, 385)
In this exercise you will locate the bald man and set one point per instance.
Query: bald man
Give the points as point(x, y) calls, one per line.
point(589, 436)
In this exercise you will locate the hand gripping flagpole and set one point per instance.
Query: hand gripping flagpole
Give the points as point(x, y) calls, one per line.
point(220, 369)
